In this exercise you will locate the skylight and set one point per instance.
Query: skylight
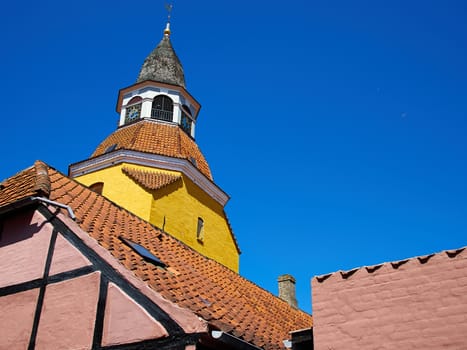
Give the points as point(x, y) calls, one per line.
point(111, 148)
point(143, 252)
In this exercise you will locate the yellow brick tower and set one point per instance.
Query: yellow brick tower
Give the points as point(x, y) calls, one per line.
point(152, 166)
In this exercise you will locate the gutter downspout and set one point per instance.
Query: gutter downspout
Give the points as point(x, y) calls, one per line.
point(233, 341)
point(56, 204)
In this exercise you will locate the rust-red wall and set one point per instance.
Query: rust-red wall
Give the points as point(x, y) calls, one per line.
point(420, 303)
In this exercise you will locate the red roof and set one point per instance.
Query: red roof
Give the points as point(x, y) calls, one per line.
point(222, 297)
point(156, 138)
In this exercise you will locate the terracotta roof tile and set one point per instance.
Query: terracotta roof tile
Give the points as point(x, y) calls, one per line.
point(156, 138)
point(215, 293)
point(33, 181)
point(151, 180)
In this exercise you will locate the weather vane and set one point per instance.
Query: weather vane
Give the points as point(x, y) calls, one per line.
point(168, 7)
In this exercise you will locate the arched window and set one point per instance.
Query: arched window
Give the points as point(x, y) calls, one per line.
point(133, 109)
point(187, 120)
point(162, 108)
point(97, 187)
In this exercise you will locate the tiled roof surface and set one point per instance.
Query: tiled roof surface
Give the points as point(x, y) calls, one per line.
point(220, 296)
point(33, 181)
point(156, 138)
point(151, 180)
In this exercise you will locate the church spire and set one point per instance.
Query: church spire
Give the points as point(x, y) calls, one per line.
point(162, 64)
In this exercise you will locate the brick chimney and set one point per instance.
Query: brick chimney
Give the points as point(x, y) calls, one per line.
point(287, 289)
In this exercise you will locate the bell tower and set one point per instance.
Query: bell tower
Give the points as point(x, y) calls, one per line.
point(152, 166)
point(165, 98)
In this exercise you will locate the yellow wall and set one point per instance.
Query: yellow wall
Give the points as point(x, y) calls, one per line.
point(174, 208)
point(120, 189)
point(180, 208)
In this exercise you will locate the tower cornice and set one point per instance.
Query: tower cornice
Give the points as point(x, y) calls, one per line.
point(150, 160)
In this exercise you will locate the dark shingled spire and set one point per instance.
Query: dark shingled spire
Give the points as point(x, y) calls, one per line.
point(162, 64)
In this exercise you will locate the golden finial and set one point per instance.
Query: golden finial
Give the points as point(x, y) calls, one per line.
point(168, 7)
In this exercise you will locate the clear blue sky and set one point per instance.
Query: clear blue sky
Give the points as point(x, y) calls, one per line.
point(337, 127)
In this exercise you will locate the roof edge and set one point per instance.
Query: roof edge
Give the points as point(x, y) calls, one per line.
point(17, 205)
point(122, 155)
point(422, 259)
point(232, 232)
point(233, 341)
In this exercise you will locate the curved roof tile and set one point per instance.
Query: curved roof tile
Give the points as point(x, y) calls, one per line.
point(151, 180)
point(33, 181)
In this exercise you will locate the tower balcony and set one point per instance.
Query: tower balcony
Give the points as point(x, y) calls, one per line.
point(162, 115)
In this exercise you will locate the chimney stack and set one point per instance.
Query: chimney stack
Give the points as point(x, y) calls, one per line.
point(287, 289)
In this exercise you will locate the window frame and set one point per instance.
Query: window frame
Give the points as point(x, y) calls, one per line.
point(200, 230)
point(135, 104)
point(186, 121)
point(165, 112)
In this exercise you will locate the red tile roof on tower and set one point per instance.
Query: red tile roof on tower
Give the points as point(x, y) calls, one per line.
point(156, 138)
point(220, 296)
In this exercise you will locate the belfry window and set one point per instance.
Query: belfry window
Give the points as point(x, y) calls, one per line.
point(133, 109)
point(162, 108)
point(187, 120)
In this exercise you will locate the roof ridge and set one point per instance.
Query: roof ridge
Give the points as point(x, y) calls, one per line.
point(17, 173)
point(139, 128)
point(370, 269)
point(32, 181)
point(42, 181)
point(179, 130)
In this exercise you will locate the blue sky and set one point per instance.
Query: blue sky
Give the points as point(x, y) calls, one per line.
point(337, 127)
